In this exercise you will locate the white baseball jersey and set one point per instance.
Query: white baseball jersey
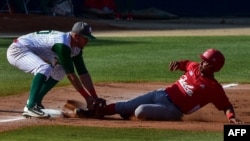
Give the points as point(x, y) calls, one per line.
point(33, 52)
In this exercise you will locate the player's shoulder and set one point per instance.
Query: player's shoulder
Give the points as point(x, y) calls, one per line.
point(194, 64)
point(49, 32)
point(191, 65)
point(56, 32)
point(59, 36)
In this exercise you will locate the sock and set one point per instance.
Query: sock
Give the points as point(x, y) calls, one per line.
point(48, 85)
point(110, 109)
point(36, 86)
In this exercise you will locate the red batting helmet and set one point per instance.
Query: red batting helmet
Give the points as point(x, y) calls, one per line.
point(215, 57)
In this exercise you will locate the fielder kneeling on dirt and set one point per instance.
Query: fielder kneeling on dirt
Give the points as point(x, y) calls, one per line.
point(193, 90)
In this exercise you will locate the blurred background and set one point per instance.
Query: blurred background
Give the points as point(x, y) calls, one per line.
point(115, 9)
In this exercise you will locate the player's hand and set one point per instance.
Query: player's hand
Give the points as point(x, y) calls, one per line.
point(235, 121)
point(174, 65)
point(90, 102)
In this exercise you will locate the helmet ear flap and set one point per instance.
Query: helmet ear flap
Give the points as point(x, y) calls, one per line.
point(215, 57)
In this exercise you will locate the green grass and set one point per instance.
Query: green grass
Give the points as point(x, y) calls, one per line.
point(141, 59)
point(146, 59)
point(68, 133)
point(135, 59)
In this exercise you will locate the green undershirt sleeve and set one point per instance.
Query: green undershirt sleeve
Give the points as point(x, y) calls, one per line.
point(79, 64)
point(63, 52)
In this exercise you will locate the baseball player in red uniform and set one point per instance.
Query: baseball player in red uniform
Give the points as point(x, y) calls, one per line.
point(193, 90)
point(49, 55)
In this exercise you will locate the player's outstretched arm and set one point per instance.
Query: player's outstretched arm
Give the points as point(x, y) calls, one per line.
point(230, 114)
point(88, 84)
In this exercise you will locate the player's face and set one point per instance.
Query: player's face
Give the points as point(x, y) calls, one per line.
point(82, 41)
point(206, 67)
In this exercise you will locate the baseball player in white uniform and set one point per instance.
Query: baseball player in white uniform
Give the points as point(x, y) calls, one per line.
point(49, 55)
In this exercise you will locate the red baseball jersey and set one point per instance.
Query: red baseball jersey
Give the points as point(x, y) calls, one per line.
point(193, 91)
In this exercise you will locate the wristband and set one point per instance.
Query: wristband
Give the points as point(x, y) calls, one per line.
point(230, 115)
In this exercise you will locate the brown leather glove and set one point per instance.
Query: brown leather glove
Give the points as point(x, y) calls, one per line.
point(91, 103)
point(96, 106)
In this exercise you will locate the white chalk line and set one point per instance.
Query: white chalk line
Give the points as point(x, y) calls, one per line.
point(229, 85)
point(12, 119)
point(52, 112)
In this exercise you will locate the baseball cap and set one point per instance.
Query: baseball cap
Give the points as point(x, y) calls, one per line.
point(82, 29)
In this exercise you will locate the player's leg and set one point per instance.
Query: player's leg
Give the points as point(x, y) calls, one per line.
point(119, 8)
point(130, 7)
point(46, 87)
point(163, 109)
point(158, 112)
point(36, 85)
point(27, 61)
point(57, 74)
point(127, 109)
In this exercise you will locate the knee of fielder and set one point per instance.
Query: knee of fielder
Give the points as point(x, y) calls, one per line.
point(44, 69)
point(58, 73)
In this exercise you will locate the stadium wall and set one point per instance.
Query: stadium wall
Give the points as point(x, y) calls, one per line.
point(199, 8)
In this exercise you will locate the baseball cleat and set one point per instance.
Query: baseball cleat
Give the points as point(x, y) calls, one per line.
point(27, 115)
point(34, 112)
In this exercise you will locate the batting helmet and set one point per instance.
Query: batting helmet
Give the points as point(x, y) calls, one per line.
point(215, 57)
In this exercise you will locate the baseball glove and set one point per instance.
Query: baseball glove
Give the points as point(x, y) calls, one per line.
point(96, 107)
point(70, 106)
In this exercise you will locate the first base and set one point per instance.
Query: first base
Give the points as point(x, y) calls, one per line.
point(53, 113)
